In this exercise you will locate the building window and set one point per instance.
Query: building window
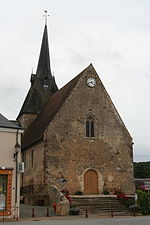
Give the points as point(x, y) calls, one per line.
point(90, 127)
point(3, 191)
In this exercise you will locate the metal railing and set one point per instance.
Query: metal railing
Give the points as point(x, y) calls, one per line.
point(9, 214)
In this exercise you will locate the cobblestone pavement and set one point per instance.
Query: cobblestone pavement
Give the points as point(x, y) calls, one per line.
point(145, 220)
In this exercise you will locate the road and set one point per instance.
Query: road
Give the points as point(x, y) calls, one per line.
point(145, 220)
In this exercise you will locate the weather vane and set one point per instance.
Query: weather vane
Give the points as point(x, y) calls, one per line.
point(45, 15)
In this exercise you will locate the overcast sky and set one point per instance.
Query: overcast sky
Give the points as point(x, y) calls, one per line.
point(114, 35)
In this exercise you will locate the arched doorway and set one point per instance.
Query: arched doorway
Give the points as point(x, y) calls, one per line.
point(91, 182)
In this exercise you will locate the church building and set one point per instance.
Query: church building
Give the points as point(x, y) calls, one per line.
point(74, 135)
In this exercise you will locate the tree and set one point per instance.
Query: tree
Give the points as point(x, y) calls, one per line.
point(142, 169)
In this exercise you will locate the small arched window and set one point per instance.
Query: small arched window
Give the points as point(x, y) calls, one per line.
point(90, 127)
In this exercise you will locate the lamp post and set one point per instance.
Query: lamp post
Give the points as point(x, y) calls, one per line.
point(17, 149)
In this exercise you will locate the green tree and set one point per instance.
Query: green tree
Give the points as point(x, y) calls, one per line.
point(143, 202)
point(142, 169)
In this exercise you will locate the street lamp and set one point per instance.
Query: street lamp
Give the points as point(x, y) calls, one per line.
point(17, 149)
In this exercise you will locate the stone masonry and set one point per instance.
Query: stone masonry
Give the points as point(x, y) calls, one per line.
point(66, 152)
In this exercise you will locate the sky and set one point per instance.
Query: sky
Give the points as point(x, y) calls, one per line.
point(113, 35)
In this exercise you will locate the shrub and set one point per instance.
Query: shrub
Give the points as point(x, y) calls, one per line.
point(143, 202)
point(122, 196)
point(73, 206)
point(74, 211)
point(105, 192)
point(134, 208)
point(129, 202)
point(124, 199)
point(78, 193)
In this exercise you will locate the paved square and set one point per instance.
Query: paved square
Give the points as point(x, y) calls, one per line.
point(145, 220)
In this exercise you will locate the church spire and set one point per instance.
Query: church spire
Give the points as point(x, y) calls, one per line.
point(43, 68)
point(43, 84)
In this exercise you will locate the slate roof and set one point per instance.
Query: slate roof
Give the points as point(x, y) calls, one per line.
point(5, 123)
point(43, 68)
point(35, 131)
point(38, 94)
point(32, 103)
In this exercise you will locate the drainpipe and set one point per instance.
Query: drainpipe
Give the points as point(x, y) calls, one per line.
point(17, 149)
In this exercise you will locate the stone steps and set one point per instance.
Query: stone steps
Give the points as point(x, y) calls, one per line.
point(99, 205)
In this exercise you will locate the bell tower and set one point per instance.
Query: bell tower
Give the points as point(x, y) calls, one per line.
point(43, 85)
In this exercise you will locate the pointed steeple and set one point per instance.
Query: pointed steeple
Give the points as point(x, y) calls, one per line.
point(43, 84)
point(43, 68)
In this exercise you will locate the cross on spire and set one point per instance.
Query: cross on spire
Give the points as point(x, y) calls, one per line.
point(46, 15)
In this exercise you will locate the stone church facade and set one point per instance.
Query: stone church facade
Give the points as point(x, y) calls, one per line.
point(75, 135)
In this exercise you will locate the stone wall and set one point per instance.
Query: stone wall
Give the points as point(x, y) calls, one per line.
point(33, 178)
point(26, 119)
point(66, 152)
point(69, 153)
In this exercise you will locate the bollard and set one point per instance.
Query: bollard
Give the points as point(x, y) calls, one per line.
point(134, 212)
point(86, 213)
point(47, 212)
point(112, 214)
point(33, 213)
point(17, 218)
point(3, 216)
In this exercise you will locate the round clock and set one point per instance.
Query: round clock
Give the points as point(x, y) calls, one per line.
point(91, 82)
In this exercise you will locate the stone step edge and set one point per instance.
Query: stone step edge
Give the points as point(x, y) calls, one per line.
point(98, 196)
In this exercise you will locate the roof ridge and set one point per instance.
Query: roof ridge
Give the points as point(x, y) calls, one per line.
point(35, 131)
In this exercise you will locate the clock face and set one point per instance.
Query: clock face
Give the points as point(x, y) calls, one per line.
point(91, 82)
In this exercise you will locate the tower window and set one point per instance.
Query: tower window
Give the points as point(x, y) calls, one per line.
point(90, 127)
point(45, 86)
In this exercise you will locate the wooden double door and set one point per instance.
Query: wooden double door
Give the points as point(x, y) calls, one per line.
point(91, 182)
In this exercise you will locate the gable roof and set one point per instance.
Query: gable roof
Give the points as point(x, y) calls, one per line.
point(35, 131)
point(32, 103)
point(5, 123)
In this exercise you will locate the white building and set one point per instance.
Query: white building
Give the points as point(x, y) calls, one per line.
point(10, 160)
